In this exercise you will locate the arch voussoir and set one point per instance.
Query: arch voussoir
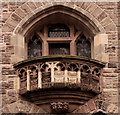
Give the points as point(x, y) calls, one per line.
point(46, 5)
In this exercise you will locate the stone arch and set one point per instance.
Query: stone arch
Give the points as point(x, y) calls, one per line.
point(30, 9)
point(99, 112)
point(33, 12)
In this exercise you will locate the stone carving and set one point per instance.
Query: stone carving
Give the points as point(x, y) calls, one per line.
point(59, 107)
point(60, 74)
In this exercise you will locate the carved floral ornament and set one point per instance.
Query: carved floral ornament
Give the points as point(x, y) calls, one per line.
point(59, 107)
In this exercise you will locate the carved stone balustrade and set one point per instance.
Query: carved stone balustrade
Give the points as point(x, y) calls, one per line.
point(68, 78)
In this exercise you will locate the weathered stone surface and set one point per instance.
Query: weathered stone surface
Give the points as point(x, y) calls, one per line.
point(102, 16)
point(31, 5)
point(14, 107)
point(26, 9)
point(4, 99)
point(7, 28)
point(12, 6)
point(91, 7)
point(41, 111)
point(16, 17)
point(108, 70)
point(85, 5)
point(34, 109)
point(91, 105)
point(5, 16)
point(5, 110)
point(11, 84)
point(106, 21)
point(110, 27)
point(4, 85)
point(8, 72)
point(7, 39)
point(38, 4)
point(10, 49)
point(11, 99)
point(6, 60)
point(20, 13)
point(97, 12)
point(106, 13)
point(112, 65)
point(79, 4)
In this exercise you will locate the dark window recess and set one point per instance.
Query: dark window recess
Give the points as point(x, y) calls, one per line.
point(83, 47)
point(34, 47)
point(58, 30)
point(59, 49)
point(99, 113)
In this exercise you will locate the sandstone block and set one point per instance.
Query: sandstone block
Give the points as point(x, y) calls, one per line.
point(91, 7)
point(97, 12)
point(38, 4)
point(7, 28)
point(110, 27)
point(85, 5)
point(20, 13)
point(79, 4)
point(108, 70)
point(26, 9)
point(34, 109)
point(31, 5)
point(102, 16)
point(91, 105)
point(106, 21)
point(11, 99)
point(5, 110)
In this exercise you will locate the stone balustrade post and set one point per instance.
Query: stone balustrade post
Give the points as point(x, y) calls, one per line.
point(79, 76)
point(28, 80)
point(66, 76)
point(52, 73)
point(39, 79)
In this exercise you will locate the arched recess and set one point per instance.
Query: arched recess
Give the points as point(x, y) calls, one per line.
point(28, 27)
point(99, 113)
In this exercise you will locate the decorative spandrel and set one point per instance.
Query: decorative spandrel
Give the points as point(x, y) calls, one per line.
point(83, 47)
point(58, 30)
point(34, 47)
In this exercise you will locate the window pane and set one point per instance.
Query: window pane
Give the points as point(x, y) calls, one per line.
point(58, 30)
point(59, 49)
point(34, 48)
point(83, 47)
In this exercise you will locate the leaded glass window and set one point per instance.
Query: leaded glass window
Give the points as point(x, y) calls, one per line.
point(83, 47)
point(34, 47)
point(58, 30)
point(59, 49)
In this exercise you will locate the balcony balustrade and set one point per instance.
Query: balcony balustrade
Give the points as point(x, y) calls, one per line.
point(55, 78)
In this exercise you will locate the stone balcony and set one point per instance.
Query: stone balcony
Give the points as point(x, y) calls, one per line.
point(59, 79)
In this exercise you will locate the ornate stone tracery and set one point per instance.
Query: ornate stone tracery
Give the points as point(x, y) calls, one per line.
point(70, 74)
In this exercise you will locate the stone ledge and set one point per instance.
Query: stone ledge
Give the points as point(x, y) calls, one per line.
point(58, 57)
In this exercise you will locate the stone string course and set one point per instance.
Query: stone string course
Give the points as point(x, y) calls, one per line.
point(15, 13)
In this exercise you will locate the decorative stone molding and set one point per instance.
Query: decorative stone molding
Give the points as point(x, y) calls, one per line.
point(58, 73)
point(59, 107)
